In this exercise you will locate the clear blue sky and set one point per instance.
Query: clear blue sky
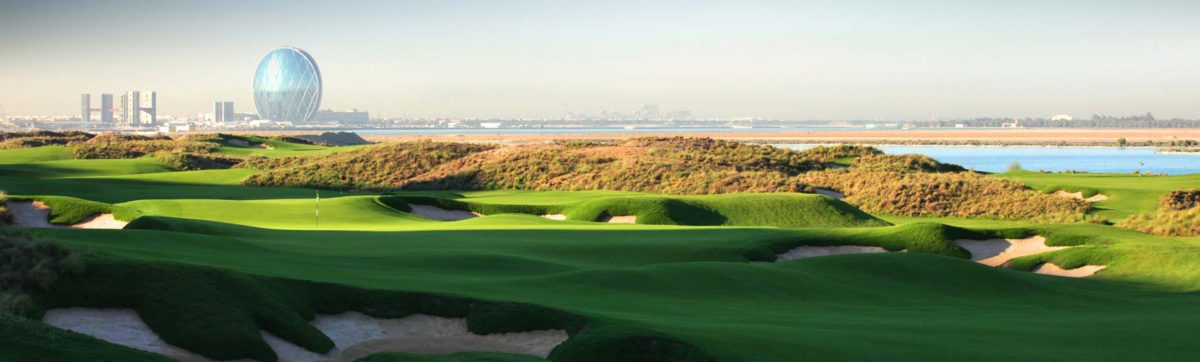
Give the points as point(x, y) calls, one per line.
point(779, 59)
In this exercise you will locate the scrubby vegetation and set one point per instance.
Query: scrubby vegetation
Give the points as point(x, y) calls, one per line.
point(29, 266)
point(111, 146)
point(377, 167)
point(1181, 200)
point(1178, 215)
point(665, 165)
point(41, 138)
point(188, 161)
point(903, 163)
point(960, 194)
point(839, 152)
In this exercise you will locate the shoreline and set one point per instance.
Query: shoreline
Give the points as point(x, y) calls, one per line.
point(1139, 137)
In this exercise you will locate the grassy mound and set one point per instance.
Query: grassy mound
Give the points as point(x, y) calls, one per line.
point(750, 209)
point(903, 163)
point(939, 194)
point(11, 140)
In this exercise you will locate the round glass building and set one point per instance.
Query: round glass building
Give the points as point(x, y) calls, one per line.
point(287, 86)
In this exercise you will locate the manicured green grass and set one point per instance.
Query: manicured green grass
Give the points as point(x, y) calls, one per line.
point(1127, 194)
point(276, 148)
point(36, 154)
point(214, 256)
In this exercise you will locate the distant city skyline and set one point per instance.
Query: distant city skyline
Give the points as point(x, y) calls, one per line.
point(849, 60)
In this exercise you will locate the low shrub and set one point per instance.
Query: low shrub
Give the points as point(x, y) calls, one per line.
point(127, 147)
point(41, 138)
point(188, 161)
point(372, 168)
point(1181, 200)
point(959, 194)
point(838, 152)
point(903, 163)
point(29, 266)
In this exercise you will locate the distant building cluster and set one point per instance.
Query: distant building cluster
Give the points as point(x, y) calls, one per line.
point(138, 109)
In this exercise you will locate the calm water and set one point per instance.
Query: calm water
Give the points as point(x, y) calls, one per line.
point(1090, 159)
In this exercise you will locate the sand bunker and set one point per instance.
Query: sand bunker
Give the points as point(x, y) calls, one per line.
point(625, 219)
point(1080, 272)
point(244, 143)
point(997, 252)
point(35, 214)
point(809, 251)
point(440, 214)
point(354, 335)
point(555, 216)
point(831, 193)
point(1079, 195)
point(118, 326)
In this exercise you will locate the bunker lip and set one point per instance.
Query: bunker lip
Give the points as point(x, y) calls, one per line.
point(810, 251)
point(555, 216)
point(355, 335)
point(998, 252)
point(36, 214)
point(1079, 196)
point(1080, 272)
point(619, 219)
point(440, 214)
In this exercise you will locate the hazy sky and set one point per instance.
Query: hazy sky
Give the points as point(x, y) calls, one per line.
point(777, 59)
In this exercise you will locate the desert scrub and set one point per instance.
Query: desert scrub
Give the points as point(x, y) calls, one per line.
point(40, 138)
point(1178, 215)
point(123, 147)
point(188, 161)
point(29, 266)
point(372, 168)
point(959, 194)
point(903, 163)
point(674, 165)
point(833, 153)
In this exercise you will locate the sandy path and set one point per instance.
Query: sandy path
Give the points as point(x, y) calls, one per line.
point(440, 214)
point(810, 251)
point(831, 193)
point(997, 252)
point(1079, 196)
point(35, 214)
point(555, 216)
point(621, 219)
point(1080, 272)
point(354, 335)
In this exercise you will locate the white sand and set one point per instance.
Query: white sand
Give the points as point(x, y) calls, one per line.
point(35, 214)
point(996, 252)
point(809, 251)
point(1079, 195)
point(1080, 272)
point(354, 335)
point(118, 326)
point(555, 216)
point(831, 193)
point(624, 219)
point(440, 214)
